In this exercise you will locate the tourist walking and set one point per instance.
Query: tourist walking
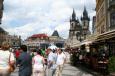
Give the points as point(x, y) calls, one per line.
point(25, 62)
point(52, 57)
point(7, 59)
point(38, 64)
point(61, 58)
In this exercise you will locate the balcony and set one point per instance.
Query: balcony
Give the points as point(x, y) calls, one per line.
point(111, 4)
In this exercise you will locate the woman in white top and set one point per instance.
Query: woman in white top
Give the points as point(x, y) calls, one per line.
point(6, 58)
point(38, 62)
point(61, 58)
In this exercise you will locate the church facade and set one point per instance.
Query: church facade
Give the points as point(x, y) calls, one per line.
point(79, 29)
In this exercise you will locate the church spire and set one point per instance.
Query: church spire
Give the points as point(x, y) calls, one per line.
point(73, 15)
point(85, 15)
point(85, 12)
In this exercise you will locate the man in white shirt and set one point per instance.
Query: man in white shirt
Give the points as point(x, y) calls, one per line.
point(61, 58)
point(52, 57)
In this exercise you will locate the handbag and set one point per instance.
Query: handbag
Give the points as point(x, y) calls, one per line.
point(11, 67)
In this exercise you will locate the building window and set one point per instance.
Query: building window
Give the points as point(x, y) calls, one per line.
point(112, 19)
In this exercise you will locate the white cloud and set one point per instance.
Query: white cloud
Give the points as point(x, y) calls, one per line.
point(27, 17)
point(62, 28)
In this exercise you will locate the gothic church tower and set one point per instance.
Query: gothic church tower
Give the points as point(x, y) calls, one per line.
point(85, 23)
point(74, 26)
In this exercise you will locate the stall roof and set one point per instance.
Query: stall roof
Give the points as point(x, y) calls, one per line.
point(106, 35)
point(90, 39)
point(86, 43)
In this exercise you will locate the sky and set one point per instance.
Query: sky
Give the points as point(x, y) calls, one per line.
point(28, 17)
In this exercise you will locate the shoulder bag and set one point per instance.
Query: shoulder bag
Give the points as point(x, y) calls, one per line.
point(12, 67)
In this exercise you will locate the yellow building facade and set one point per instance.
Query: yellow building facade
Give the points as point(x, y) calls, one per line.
point(101, 16)
point(105, 16)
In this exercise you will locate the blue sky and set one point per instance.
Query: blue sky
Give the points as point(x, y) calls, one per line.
point(27, 17)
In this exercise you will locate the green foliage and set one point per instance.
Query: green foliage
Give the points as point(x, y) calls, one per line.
point(111, 64)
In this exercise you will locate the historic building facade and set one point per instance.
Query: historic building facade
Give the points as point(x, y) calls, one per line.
point(75, 26)
point(93, 24)
point(105, 15)
point(1, 10)
point(79, 30)
point(14, 40)
point(56, 39)
point(44, 41)
point(37, 41)
point(101, 16)
point(105, 24)
point(3, 35)
point(85, 23)
point(111, 14)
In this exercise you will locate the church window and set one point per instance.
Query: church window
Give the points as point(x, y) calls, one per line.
point(72, 25)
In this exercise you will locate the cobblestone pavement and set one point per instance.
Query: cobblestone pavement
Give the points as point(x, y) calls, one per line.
point(67, 71)
point(73, 71)
point(15, 73)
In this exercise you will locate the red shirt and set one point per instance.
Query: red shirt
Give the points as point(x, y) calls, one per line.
point(17, 53)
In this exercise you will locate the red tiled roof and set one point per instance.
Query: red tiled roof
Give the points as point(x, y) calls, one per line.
point(39, 36)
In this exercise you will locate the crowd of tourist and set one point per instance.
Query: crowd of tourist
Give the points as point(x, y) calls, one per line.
point(38, 62)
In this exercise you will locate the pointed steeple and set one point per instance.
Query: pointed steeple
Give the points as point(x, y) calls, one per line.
point(85, 15)
point(85, 12)
point(73, 15)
